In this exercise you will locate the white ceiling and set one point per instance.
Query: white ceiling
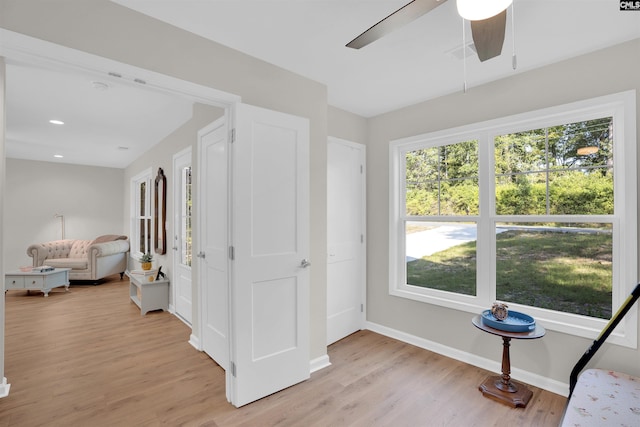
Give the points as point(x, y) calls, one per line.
point(106, 122)
point(411, 65)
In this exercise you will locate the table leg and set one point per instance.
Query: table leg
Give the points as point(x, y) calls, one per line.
point(505, 383)
point(501, 388)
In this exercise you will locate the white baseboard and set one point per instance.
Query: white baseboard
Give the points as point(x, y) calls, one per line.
point(472, 359)
point(195, 342)
point(4, 388)
point(319, 363)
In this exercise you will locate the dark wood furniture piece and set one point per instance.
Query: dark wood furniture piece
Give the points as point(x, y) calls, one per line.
point(160, 213)
point(501, 387)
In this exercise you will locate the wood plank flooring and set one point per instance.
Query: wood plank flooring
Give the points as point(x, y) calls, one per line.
point(87, 358)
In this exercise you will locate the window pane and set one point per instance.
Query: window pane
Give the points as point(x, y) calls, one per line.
point(587, 192)
point(557, 266)
point(441, 256)
point(521, 194)
point(143, 197)
point(520, 152)
point(186, 217)
point(560, 170)
point(143, 236)
point(423, 199)
point(442, 180)
point(580, 144)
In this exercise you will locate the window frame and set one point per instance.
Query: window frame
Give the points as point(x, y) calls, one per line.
point(621, 107)
point(135, 217)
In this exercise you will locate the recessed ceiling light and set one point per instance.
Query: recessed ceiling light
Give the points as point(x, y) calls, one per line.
point(56, 122)
point(58, 156)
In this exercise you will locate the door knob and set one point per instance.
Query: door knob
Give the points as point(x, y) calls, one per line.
point(201, 255)
point(305, 263)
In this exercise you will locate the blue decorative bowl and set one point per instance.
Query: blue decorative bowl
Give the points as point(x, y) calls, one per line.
point(515, 322)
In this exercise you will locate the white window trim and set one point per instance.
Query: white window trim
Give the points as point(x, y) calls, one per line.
point(625, 277)
point(144, 176)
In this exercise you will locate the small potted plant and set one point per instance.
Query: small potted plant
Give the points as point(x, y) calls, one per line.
point(145, 261)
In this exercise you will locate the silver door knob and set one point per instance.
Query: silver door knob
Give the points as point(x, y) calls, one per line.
point(201, 255)
point(305, 263)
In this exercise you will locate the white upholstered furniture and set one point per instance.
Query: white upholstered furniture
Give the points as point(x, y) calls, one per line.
point(87, 259)
point(603, 397)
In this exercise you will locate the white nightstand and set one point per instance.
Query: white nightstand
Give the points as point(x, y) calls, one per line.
point(149, 295)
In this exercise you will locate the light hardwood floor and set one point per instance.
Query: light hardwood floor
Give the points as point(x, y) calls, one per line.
point(87, 358)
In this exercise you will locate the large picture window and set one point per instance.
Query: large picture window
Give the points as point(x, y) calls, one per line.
point(538, 211)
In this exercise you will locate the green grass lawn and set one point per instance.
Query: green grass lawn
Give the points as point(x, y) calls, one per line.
point(569, 272)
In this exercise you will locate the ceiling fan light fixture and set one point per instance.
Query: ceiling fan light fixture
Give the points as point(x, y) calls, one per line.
point(478, 10)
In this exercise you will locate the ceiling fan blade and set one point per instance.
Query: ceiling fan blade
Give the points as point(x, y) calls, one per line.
point(397, 19)
point(488, 35)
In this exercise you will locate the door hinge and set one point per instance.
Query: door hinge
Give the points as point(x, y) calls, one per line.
point(232, 253)
point(362, 238)
point(233, 135)
point(361, 308)
point(233, 368)
point(361, 169)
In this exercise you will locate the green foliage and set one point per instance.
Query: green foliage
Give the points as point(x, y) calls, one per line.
point(538, 172)
point(148, 257)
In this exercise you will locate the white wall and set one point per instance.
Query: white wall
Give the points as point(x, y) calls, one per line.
point(608, 71)
point(90, 198)
point(346, 125)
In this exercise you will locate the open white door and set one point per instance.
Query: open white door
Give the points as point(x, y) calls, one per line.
point(213, 255)
point(182, 249)
point(270, 283)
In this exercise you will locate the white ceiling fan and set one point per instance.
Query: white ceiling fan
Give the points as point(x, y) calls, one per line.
point(488, 20)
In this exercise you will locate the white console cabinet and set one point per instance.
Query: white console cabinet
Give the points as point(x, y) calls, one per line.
point(149, 295)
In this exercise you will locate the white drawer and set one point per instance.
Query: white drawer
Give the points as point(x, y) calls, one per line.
point(33, 282)
point(14, 282)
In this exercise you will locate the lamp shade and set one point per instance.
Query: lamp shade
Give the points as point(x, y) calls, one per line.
point(477, 10)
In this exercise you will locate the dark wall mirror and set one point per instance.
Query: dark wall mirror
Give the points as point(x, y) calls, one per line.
point(160, 213)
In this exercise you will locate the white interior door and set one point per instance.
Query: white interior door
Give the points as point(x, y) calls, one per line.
point(213, 231)
point(346, 284)
point(270, 292)
point(182, 241)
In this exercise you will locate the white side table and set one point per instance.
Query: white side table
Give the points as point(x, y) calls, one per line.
point(37, 281)
point(149, 295)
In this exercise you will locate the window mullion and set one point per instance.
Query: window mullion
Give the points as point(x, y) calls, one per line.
point(486, 240)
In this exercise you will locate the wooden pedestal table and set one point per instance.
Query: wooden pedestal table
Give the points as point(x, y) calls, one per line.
point(502, 388)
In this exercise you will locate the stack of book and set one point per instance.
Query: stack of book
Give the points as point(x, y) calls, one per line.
point(42, 269)
point(151, 272)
